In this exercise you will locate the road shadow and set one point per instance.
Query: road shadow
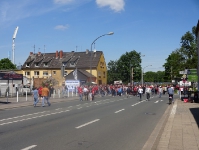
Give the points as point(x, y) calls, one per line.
point(195, 113)
point(5, 102)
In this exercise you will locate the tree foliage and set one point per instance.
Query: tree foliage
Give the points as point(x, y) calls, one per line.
point(121, 68)
point(50, 82)
point(182, 58)
point(6, 64)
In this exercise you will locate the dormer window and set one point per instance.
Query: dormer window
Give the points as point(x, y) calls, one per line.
point(28, 65)
point(45, 64)
point(36, 64)
point(72, 64)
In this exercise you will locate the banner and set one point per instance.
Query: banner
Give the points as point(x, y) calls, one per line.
point(11, 76)
point(72, 84)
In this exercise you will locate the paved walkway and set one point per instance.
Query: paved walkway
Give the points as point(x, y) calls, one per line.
point(177, 129)
point(181, 129)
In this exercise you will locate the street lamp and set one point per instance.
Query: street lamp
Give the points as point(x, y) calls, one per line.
point(143, 72)
point(13, 44)
point(110, 33)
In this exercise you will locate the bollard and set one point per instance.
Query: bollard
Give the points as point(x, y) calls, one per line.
point(17, 97)
point(53, 93)
point(26, 95)
point(59, 93)
point(72, 92)
point(7, 96)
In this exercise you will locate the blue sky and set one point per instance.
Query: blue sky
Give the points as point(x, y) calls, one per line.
point(151, 27)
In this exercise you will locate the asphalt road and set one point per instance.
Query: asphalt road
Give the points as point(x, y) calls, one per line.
point(108, 123)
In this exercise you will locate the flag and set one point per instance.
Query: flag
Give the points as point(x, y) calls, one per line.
point(75, 74)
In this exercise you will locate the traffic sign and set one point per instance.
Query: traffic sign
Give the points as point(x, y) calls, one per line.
point(182, 72)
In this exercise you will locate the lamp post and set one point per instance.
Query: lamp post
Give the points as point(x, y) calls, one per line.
point(13, 45)
point(110, 33)
point(143, 72)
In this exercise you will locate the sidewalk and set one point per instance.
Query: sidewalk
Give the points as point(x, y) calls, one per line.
point(22, 102)
point(181, 130)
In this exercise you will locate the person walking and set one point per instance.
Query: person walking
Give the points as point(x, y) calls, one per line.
point(128, 91)
point(40, 93)
point(80, 92)
point(35, 95)
point(148, 93)
point(160, 91)
point(140, 92)
point(45, 95)
point(170, 92)
point(85, 91)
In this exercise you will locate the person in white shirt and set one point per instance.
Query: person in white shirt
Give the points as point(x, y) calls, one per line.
point(148, 92)
point(140, 92)
point(85, 90)
point(160, 91)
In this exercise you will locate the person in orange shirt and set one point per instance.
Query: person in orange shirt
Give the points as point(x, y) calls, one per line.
point(45, 95)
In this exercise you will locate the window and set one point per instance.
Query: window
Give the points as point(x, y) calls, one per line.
point(36, 73)
point(45, 73)
point(54, 72)
point(28, 65)
point(45, 64)
point(65, 73)
point(36, 64)
point(99, 74)
point(27, 73)
point(104, 74)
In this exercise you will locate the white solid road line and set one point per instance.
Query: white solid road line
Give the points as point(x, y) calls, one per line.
point(29, 147)
point(119, 110)
point(87, 123)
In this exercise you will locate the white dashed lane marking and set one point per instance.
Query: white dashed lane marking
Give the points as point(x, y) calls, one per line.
point(87, 123)
point(29, 147)
point(119, 111)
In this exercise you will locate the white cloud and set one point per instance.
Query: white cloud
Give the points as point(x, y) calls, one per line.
point(61, 27)
point(116, 5)
point(63, 1)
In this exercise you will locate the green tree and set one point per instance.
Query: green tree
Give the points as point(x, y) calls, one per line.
point(121, 69)
point(6, 64)
point(183, 58)
point(50, 82)
point(112, 73)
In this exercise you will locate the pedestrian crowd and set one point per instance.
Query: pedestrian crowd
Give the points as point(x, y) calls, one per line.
point(89, 92)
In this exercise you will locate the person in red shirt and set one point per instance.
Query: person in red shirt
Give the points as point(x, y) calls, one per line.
point(80, 92)
point(40, 92)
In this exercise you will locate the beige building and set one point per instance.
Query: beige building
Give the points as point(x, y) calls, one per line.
point(60, 66)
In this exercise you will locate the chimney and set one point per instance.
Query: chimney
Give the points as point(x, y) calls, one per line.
point(57, 54)
point(60, 54)
point(31, 53)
